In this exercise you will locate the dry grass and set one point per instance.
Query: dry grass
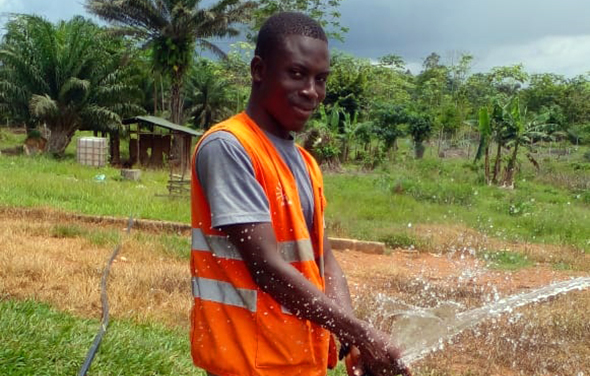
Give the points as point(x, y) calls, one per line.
point(66, 272)
point(461, 239)
point(57, 262)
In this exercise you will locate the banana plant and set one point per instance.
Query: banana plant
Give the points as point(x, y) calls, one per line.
point(524, 127)
point(483, 149)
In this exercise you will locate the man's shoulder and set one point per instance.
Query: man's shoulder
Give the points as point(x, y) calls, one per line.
point(222, 132)
point(228, 124)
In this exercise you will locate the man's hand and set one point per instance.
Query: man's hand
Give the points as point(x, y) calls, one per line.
point(354, 364)
point(377, 356)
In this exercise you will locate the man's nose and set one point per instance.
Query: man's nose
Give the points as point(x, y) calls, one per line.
point(310, 90)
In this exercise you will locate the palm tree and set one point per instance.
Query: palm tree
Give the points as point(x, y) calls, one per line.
point(172, 29)
point(65, 76)
point(207, 96)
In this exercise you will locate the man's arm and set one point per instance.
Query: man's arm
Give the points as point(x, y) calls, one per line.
point(258, 247)
point(336, 285)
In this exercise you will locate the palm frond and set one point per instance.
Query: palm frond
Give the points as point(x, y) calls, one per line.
point(205, 44)
point(42, 106)
point(74, 90)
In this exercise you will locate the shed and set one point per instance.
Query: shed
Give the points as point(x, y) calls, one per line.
point(153, 141)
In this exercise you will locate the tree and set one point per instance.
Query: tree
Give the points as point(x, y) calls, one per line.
point(392, 61)
point(523, 128)
point(66, 76)
point(388, 121)
point(207, 96)
point(172, 29)
point(388, 82)
point(483, 149)
point(420, 128)
point(324, 11)
point(348, 83)
point(508, 80)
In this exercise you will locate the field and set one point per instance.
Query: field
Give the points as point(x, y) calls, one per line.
point(454, 244)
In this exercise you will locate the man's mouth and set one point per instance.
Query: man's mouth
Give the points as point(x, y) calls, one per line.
point(304, 110)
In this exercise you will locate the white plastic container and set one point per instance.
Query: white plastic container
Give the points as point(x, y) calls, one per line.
point(92, 151)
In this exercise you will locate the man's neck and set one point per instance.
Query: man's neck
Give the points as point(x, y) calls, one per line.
point(265, 121)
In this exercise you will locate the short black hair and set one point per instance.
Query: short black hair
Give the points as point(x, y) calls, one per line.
point(279, 25)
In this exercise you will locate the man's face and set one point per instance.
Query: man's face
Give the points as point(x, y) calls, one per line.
point(294, 81)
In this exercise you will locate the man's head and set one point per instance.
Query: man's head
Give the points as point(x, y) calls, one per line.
point(289, 72)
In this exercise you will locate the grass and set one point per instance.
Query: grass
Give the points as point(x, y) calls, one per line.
point(434, 191)
point(96, 237)
point(149, 284)
point(9, 139)
point(66, 185)
point(39, 340)
point(550, 207)
point(506, 260)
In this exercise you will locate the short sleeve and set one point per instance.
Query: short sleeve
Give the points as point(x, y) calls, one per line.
point(227, 178)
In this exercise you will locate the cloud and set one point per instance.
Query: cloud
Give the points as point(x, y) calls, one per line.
point(11, 6)
point(567, 55)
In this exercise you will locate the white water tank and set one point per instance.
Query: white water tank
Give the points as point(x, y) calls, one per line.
point(92, 151)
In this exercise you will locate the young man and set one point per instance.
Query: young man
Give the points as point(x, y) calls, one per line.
point(267, 289)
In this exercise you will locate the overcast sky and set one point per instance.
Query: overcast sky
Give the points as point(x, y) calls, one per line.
point(544, 35)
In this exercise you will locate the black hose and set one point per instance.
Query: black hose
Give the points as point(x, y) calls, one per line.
point(105, 308)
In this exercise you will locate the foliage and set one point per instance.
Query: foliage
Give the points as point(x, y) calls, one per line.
point(66, 76)
point(207, 95)
point(388, 121)
point(324, 11)
point(172, 29)
point(419, 126)
point(348, 83)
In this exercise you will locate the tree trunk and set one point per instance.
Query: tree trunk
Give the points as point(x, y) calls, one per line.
point(115, 148)
point(509, 180)
point(419, 149)
point(486, 164)
point(176, 117)
point(176, 99)
point(497, 164)
point(60, 138)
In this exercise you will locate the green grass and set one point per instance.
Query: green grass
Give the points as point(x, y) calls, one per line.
point(9, 139)
point(66, 185)
point(38, 340)
point(385, 203)
point(552, 206)
point(506, 260)
point(96, 237)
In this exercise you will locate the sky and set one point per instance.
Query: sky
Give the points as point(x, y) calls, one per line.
point(544, 35)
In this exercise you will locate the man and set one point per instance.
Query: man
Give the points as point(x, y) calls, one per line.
point(268, 290)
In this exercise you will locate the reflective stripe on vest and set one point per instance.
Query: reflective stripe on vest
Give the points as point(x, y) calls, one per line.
point(223, 292)
point(222, 247)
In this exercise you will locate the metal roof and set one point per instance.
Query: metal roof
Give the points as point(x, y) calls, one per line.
point(162, 123)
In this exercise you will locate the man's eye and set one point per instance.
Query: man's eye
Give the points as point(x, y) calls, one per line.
point(296, 74)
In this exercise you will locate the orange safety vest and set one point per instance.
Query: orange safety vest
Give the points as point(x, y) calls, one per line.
point(236, 328)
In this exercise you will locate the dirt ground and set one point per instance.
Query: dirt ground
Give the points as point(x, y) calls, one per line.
point(549, 338)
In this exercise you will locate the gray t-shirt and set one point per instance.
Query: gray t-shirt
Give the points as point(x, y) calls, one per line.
point(227, 177)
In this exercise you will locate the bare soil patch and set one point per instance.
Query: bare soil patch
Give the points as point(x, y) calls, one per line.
point(146, 285)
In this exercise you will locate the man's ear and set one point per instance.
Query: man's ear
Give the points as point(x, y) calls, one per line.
point(257, 69)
